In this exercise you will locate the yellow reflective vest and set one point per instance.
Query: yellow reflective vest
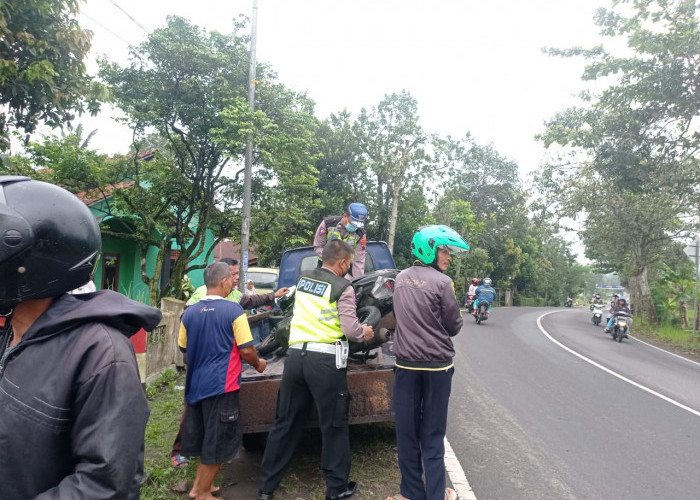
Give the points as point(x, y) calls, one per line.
point(315, 317)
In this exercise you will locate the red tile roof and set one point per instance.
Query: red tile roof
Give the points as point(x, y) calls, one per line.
point(99, 194)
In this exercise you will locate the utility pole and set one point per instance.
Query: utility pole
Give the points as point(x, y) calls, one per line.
point(248, 172)
point(693, 251)
point(695, 294)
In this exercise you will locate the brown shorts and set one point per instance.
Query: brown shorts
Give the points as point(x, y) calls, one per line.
point(211, 429)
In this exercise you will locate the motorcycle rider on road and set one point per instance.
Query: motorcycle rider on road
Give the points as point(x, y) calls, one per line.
point(620, 307)
point(595, 300)
point(613, 301)
point(472, 290)
point(485, 293)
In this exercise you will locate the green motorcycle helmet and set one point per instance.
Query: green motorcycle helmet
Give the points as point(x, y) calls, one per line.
point(427, 239)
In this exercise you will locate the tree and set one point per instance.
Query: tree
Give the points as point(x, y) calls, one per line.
point(285, 199)
point(189, 86)
point(392, 142)
point(480, 176)
point(342, 170)
point(42, 73)
point(637, 182)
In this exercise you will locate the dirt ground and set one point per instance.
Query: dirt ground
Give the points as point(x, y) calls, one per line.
point(374, 468)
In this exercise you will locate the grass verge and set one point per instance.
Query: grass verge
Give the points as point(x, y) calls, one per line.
point(374, 460)
point(375, 465)
point(682, 342)
point(166, 404)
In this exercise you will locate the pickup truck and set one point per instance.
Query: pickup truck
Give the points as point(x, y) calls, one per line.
point(370, 382)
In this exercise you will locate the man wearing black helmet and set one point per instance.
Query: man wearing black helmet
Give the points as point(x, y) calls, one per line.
point(72, 410)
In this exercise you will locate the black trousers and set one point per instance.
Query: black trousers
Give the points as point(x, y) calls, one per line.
point(421, 399)
point(310, 376)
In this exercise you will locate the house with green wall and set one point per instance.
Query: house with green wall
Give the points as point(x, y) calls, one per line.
point(119, 267)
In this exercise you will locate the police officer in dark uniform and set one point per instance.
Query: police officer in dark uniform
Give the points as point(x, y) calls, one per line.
point(315, 370)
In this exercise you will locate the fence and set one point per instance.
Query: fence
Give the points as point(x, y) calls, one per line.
point(156, 351)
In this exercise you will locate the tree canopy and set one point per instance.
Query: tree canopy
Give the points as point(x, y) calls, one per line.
point(42, 71)
point(636, 177)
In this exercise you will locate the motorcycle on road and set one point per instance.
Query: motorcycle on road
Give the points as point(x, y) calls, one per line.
point(482, 313)
point(620, 326)
point(597, 317)
point(469, 303)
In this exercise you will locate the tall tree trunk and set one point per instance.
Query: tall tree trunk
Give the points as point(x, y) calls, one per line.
point(153, 283)
point(640, 295)
point(394, 213)
point(380, 217)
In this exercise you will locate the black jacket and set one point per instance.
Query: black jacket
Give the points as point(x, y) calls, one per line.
point(72, 410)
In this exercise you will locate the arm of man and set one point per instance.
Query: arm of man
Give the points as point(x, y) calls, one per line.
point(182, 338)
point(266, 299)
point(320, 238)
point(244, 341)
point(358, 261)
point(110, 415)
point(257, 300)
point(349, 324)
point(450, 314)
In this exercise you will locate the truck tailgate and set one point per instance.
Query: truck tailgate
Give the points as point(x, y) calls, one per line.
point(370, 384)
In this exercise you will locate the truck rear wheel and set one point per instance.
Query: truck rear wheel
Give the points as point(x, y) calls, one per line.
point(255, 441)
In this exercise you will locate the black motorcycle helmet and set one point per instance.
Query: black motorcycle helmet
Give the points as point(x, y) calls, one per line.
point(49, 241)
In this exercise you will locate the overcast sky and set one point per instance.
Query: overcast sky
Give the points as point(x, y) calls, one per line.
point(473, 66)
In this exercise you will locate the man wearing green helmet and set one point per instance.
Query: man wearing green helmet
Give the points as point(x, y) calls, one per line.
point(427, 316)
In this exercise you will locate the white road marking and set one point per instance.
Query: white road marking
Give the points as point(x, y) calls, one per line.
point(608, 370)
point(457, 476)
point(664, 350)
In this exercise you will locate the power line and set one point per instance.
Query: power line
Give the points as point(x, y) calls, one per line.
point(130, 17)
point(105, 27)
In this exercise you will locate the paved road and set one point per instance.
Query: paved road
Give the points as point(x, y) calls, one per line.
point(530, 420)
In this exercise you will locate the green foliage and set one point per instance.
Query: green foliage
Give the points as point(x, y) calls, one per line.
point(393, 145)
point(42, 73)
point(671, 288)
point(342, 170)
point(636, 178)
point(190, 87)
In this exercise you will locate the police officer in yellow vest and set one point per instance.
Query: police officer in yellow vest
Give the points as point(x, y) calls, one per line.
point(350, 228)
point(315, 370)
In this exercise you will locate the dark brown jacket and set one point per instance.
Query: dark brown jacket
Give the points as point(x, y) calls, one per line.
point(427, 316)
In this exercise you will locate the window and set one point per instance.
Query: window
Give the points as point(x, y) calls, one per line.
point(308, 263)
point(262, 279)
point(369, 263)
point(110, 272)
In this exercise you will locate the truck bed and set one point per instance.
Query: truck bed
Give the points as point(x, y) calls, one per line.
point(370, 384)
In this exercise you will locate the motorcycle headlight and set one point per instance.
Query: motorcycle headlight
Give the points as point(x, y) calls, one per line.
point(622, 324)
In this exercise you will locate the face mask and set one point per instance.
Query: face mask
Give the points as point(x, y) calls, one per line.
point(350, 228)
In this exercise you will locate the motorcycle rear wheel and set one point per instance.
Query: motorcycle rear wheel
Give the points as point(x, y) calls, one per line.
point(369, 315)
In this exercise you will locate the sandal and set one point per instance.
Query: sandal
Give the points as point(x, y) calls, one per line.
point(450, 494)
point(179, 461)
